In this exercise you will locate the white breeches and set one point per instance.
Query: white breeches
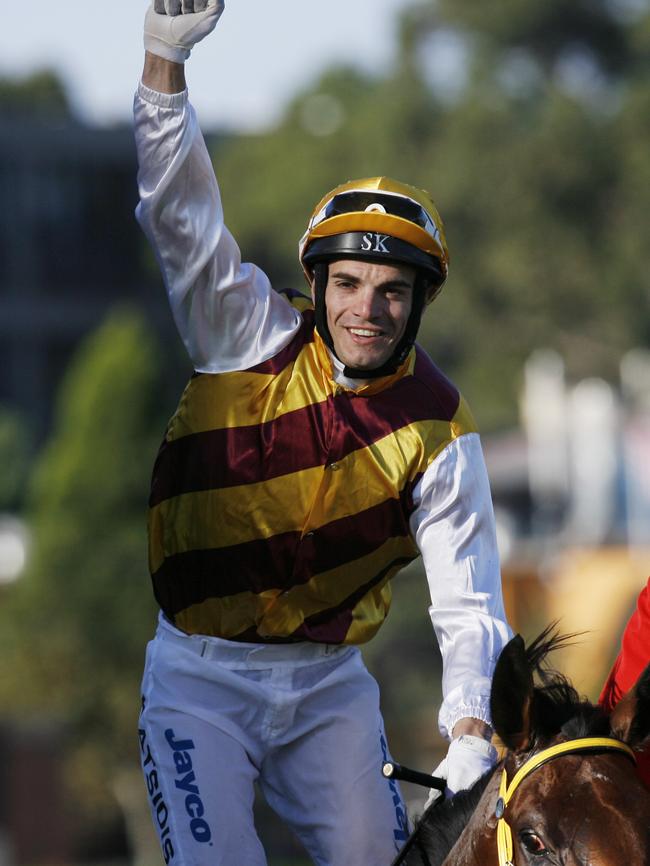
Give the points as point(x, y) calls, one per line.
point(300, 719)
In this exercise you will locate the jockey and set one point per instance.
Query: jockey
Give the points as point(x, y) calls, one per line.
point(315, 452)
point(633, 658)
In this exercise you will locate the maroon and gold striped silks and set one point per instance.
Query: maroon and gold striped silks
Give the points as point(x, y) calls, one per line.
point(280, 502)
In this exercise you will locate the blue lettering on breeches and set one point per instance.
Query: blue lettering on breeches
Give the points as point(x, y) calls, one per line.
point(400, 834)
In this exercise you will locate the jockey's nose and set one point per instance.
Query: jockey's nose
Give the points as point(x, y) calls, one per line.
point(368, 303)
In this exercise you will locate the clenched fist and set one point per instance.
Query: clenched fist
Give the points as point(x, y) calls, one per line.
point(173, 27)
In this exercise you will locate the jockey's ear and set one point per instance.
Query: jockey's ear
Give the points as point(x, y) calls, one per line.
point(512, 696)
point(630, 718)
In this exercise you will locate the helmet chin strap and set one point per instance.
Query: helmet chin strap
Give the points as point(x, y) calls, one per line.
point(402, 349)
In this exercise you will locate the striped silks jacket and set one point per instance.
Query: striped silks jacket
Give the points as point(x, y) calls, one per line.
point(280, 502)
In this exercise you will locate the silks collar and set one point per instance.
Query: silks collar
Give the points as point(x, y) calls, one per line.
point(585, 744)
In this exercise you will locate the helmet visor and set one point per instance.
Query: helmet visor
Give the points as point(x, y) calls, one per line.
point(372, 201)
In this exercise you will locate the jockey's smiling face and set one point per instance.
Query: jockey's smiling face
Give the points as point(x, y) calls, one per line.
point(368, 306)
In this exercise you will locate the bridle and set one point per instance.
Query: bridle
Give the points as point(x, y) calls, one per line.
point(585, 744)
point(506, 791)
point(570, 747)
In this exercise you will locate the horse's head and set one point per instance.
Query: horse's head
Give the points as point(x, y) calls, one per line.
point(566, 791)
point(571, 793)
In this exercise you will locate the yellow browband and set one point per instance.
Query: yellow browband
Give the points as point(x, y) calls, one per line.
point(591, 744)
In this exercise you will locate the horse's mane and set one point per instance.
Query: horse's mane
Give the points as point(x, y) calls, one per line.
point(447, 820)
point(557, 709)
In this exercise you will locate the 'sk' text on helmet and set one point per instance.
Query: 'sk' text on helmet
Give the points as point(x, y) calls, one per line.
point(380, 219)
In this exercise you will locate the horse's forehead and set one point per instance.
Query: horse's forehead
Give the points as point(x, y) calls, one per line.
point(595, 792)
point(575, 771)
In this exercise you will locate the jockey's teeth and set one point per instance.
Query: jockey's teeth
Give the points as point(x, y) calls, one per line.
point(361, 332)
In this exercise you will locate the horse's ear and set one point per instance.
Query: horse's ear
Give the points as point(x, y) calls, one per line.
point(512, 696)
point(630, 718)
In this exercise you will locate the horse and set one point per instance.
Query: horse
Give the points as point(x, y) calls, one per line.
point(565, 791)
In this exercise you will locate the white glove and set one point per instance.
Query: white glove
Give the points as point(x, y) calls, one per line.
point(173, 27)
point(467, 759)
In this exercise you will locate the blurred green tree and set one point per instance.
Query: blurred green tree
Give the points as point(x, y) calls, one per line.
point(14, 458)
point(41, 94)
point(84, 608)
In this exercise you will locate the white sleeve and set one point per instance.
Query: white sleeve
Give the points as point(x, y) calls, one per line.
point(225, 310)
point(453, 525)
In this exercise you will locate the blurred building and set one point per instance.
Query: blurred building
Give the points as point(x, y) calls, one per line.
point(35, 826)
point(70, 248)
point(571, 489)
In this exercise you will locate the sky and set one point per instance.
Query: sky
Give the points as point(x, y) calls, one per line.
point(240, 77)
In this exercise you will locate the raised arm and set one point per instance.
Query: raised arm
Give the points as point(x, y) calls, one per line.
point(225, 310)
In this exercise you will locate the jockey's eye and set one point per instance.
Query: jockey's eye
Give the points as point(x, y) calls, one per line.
point(533, 843)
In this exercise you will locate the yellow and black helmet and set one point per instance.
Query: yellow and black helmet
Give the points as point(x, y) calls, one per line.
point(381, 219)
